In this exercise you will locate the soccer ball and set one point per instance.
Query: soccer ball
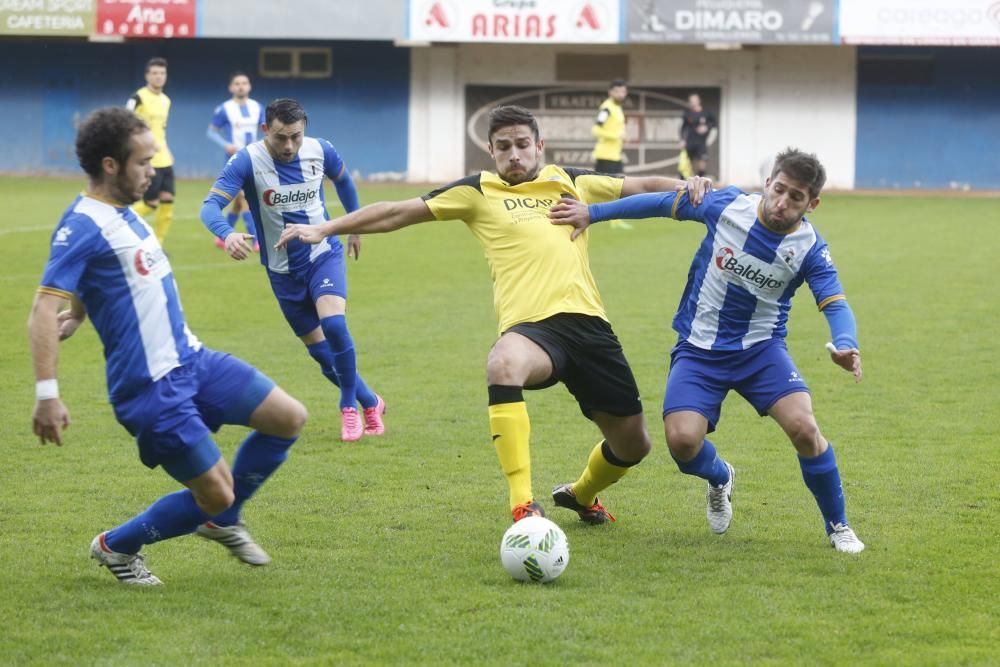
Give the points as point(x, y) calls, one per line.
point(534, 549)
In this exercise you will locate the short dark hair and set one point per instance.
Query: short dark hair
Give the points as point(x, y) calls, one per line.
point(803, 167)
point(156, 62)
point(616, 82)
point(105, 133)
point(237, 73)
point(508, 115)
point(286, 110)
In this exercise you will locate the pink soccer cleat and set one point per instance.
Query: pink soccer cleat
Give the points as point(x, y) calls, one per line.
point(373, 418)
point(351, 428)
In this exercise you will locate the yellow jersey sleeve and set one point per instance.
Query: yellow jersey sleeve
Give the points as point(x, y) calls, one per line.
point(459, 200)
point(595, 188)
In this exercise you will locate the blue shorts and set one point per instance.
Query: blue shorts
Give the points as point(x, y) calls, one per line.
point(171, 420)
point(700, 379)
point(297, 293)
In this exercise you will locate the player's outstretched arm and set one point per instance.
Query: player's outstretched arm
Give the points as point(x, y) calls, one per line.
point(377, 218)
point(696, 186)
point(50, 416)
point(844, 331)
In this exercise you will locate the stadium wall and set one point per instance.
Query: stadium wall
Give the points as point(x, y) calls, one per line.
point(928, 118)
point(362, 108)
point(772, 97)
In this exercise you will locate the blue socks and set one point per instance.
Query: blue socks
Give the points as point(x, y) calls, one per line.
point(342, 361)
point(258, 457)
point(323, 355)
point(707, 464)
point(172, 515)
point(248, 221)
point(823, 479)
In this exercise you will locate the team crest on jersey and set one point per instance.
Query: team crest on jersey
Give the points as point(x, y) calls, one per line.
point(62, 236)
point(827, 256)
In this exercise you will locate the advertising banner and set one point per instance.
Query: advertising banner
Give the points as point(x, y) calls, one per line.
point(146, 18)
point(929, 22)
point(535, 21)
point(742, 21)
point(47, 17)
point(653, 118)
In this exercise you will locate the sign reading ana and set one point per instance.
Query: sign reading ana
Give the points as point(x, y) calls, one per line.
point(539, 21)
point(745, 21)
point(147, 18)
point(46, 17)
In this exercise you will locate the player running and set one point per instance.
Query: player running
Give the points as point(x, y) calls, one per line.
point(282, 176)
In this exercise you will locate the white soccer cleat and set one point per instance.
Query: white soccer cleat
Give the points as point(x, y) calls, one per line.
point(844, 540)
point(127, 568)
point(720, 504)
point(237, 540)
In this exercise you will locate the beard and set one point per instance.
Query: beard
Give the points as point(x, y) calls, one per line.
point(125, 191)
point(524, 177)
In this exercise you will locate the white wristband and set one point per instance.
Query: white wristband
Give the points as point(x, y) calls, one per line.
point(47, 389)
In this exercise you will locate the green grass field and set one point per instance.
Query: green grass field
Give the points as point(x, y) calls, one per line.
point(386, 551)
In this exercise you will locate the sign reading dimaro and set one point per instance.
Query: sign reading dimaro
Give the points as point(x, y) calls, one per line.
point(537, 21)
point(930, 22)
point(744, 21)
point(653, 118)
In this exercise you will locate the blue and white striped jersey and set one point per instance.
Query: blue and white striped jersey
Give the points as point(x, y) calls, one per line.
point(743, 277)
point(281, 193)
point(239, 123)
point(110, 258)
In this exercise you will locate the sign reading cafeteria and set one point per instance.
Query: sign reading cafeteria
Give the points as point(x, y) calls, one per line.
point(146, 18)
point(46, 17)
point(538, 21)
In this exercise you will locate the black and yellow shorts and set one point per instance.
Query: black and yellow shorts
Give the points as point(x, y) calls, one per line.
point(586, 357)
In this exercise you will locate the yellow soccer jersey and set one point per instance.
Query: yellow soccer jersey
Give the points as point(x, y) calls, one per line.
point(609, 127)
point(154, 108)
point(537, 271)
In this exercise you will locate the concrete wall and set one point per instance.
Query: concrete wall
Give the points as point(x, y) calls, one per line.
point(772, 97)
point(46, 87)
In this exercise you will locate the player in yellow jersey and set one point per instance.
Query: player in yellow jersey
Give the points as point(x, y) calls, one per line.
point(552, 323)
point(152, 105)
point(609, 130)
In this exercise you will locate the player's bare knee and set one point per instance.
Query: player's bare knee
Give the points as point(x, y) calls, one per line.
point(291, 418)
point(803, 431)
point(215, 499)
point(682, 441)
point(500, 369)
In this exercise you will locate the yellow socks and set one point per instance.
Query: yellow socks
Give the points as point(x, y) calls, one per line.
point(603, 469)
point(511, 430)
point(142, 208)
point(164, 218)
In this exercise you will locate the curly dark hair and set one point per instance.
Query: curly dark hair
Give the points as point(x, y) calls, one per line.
point(801, 166)
point(106, 133)
point(508, 115)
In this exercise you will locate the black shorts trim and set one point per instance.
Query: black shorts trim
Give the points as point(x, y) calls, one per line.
point(613, 167)
point(163, 181)
point(588, 358)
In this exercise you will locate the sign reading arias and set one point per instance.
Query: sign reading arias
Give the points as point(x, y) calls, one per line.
point(536, 21)
point(46, 17)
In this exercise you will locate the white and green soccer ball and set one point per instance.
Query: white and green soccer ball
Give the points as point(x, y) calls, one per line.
point(534, 549)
